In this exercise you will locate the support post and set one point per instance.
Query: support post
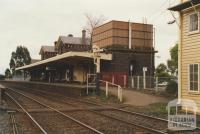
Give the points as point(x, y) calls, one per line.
point(87, 85)
point(144, 80)
point(113, 79)
point(144, 77)
point(130, 35)
point(24, 74)
point(97, 58)
point(132, 82)
point(0, 96)
point(118, 92)
point(121, 97)
point(138, 82)
point(156, 84)
point(106, 89)
point(98, 84)
point(124, 80)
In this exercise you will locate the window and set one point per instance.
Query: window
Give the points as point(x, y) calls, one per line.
point(194, 77)
point(193, 22)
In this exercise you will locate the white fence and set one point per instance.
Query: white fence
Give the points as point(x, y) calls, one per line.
point(155, 83)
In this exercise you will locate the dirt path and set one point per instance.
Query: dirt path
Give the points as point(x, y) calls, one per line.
point(136, 98)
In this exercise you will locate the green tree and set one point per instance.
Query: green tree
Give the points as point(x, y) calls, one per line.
point(161, 70)
point(173, 62)
point(20, 58)
point(8, 73)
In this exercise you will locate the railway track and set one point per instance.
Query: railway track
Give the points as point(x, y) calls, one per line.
point(145, 122)
point(114, 113)
point(80, 126)
point(13, 123)
point(103, 123)
point(76, 102)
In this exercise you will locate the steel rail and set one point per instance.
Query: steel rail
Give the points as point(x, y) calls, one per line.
point(111, 107)
point(130, 112)
point(13, 124)
point(36, 123)
point(58, 111)
point(15, 129)
point(114, 118)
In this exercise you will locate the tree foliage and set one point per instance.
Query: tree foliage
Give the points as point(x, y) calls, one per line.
point(172, 87)
point(20, 57)
point(173, 62)
point(161, 70)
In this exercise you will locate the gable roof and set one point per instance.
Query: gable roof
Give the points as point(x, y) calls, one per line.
point(73, 40)
point(47, 49)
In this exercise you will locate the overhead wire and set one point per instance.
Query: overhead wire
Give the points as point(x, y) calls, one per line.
point(156, 16)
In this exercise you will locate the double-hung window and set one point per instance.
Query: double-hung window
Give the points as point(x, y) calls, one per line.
point(194, 77)
point(193, 22)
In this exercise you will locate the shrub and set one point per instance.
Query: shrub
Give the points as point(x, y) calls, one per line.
point(172, 87)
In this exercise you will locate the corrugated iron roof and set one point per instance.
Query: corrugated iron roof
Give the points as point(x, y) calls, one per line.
point(47, 49)
point(74, 40)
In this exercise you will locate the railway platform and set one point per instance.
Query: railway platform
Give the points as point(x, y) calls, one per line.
point(64, 88)
point(136, 98)
point(130, 97)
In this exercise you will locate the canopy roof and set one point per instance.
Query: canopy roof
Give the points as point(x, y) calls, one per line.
point(185, 5)
point(66, 56)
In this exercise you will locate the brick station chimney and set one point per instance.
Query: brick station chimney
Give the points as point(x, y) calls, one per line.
point(83, 37)
point(55, 47)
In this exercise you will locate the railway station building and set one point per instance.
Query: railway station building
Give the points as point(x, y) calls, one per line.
point(128, 48)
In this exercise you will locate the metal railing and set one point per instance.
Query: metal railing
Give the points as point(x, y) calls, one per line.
point(119, 89)
point(91, 81)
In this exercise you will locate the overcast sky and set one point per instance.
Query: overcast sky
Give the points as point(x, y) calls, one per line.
point(34, 23)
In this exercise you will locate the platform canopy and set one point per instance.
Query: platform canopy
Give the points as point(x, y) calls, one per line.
point(66, 56)
point(185, 5)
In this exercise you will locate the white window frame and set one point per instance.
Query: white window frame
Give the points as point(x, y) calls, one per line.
point(196, 31)
point(189, 90)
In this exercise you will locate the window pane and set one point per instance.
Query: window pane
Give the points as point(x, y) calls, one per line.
point(193, 22)
point(195, 68)
point(196, 86)
point(191, 86)
point(191, 77)
point(195, 77)
point(191, 69)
